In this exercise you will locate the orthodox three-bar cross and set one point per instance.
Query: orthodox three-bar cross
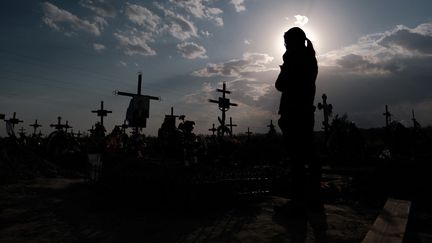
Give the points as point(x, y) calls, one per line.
point(224, 105)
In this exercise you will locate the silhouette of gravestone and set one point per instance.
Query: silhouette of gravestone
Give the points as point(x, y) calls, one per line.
point(139, 107)
point(231, 125)
point(101, 112)
point(35, 126)
point(327, 111)
point(2, 116)
point(224, 105)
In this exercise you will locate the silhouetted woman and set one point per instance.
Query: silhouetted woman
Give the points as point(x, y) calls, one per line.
point(296, 81)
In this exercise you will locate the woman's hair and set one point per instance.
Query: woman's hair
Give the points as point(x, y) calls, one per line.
point(296, 38)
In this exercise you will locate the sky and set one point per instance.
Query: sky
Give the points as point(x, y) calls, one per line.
point(62, 58)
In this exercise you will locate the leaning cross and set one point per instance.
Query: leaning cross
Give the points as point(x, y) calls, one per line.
point(231, 125)
point(327, 110)
point(35, 126)
point(14, 120)
point(101, 112)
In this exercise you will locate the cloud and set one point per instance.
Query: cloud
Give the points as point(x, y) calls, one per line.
point(64, 21)
point(238, 5)
point(135, 43)
point(103, 8)
point(384, 52)
point(247, 42)
point(301, 20)
point(123, 63)
point(251, 62)
point(391, 67)
point(409, 40)
point(177, 25)
point(199, 9)
point(191, 50)
point(142, 16)
point(98, 47)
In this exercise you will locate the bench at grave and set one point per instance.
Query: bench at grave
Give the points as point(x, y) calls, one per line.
point(391, 223)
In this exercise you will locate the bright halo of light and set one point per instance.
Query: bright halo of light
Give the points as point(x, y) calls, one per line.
point(279, 44)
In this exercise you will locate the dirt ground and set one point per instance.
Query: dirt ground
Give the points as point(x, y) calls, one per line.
point(68, 210)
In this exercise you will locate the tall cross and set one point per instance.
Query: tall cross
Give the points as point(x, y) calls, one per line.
point(387, 115)
point(231, 125)
point(224, 105)
point(213, 129)
point(35, 126)
point(327, 111)
point(14, 120)
point(101, 112)
point(138, 94)
point(58, 126)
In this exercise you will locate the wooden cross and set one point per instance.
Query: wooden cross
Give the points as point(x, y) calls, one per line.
point(35, 126)
point(416, 124)
point(327, 111)
point(231, 125)
point(78, 135)
point(14, 120)
point(224, 105)
point(58, 126)
point(138, 94)
point(213, 129)
point(387, 115)
point(101, 112)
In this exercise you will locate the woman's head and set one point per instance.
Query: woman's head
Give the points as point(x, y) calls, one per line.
point(295, 39)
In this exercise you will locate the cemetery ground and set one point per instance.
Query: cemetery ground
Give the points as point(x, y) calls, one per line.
point(155, 199)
